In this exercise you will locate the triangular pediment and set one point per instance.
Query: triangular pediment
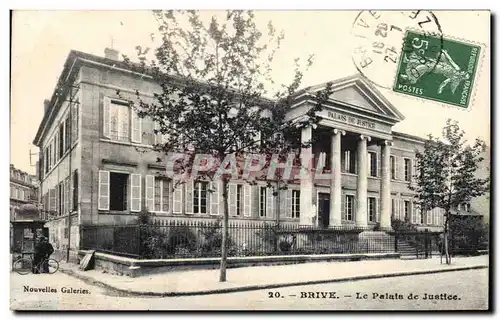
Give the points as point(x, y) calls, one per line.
point(353, 95)
point(360, 95)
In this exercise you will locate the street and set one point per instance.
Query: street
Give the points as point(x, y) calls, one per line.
point(464, 290)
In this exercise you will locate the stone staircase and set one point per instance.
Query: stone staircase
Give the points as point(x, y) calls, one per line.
point(376, 241)
point(406, 250)
point(379, 241)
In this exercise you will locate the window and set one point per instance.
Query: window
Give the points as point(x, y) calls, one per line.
point(407, 169)
point(67, 134)
point(295, 203)
point(119, 120)
point(393, 208)
point(465, 207)
point(349, 208)
point(46, 159)
point(416, 217)
point(60, 198)
point(75, 190)
point(428, 217)
point(21, 194)
point(74, 120)
point(349, 161)
point(239, 199)
point(61, 140)
point(12, 189)
point(266, 202)
point(372, 209)
point(118, 189)
point(262, 201)
point(161, 194)
point(372, 157)
point(200, 197)
point(407, 210)
point(50, 162)
point(393, 168)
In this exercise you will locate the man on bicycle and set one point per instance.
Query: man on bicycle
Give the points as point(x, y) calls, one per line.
point(43, 250)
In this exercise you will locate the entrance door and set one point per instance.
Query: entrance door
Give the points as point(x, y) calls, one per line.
point(323, 210)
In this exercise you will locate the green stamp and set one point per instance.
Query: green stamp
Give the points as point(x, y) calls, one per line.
point(435, 68)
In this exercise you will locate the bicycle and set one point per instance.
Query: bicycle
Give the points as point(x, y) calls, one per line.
point(24, 266)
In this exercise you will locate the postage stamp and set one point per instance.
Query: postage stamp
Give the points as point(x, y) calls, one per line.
point(379, 38)
point(438, 69)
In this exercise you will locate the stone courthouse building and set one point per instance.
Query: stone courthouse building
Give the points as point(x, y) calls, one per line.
point(92, 173)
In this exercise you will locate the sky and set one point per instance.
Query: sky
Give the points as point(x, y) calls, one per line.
point(41, 41)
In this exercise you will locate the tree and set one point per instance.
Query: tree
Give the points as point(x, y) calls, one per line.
point(213, 101)
point(445, 174)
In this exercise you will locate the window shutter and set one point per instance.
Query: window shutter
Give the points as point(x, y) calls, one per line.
point(135, 194)
point(189, 197)
point(56, 147)
point(343, 206)
point(257, 138)
point(346, 161)
point(150, 193)
point(70, 193)
point(414, 212)
point(177, 197)
point(136, 127)
point(379, 165)
point(156, 126)
point(413, 170)
point(283, 204)
point(105, 117)
point(377, 208)
point(396, 167)
point(103, 202)
point(369, 164)
point(247, 200)
point(269, 202)
point(74, 120)
point(396, 208)
point(52, 200)
point(58, 200)
point(66, 196)
point(401, 168)
point(214, 197)
point(232, 193)
point(289, 205)
point(403, 213)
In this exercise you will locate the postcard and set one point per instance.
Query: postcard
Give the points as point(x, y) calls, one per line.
point(250, 160)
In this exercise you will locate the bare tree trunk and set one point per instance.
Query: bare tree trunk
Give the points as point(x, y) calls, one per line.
point(446, 237)
point(446, 252)
point(225, 233)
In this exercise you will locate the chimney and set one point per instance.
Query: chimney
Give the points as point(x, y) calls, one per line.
point(46, 103)
point(112, 54)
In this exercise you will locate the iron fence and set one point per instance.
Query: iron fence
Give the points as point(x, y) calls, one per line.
point(196, 239)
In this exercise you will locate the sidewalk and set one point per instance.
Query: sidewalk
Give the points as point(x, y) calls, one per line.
point(197, 282)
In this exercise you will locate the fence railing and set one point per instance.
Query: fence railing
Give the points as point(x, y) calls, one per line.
point(192, 239)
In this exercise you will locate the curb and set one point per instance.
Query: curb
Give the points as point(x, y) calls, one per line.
point(263, 286)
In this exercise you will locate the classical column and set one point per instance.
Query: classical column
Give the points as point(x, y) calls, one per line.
point(336, 181)
point(385, 187)
point(306, 179)
point(362, 188)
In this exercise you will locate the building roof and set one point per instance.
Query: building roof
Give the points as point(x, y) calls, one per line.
point(76, 58)
point(405, 136)
point(70, 70)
